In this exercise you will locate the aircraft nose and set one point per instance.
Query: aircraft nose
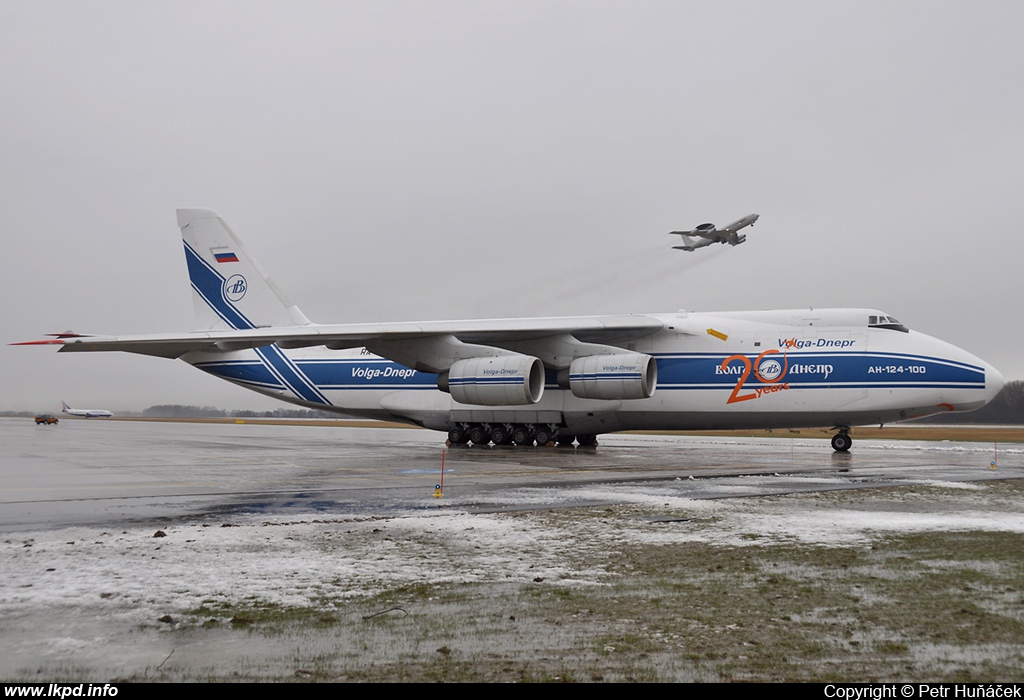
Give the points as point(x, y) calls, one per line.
point(994, 382)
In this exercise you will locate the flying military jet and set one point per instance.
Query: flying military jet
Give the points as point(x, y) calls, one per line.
point(706, 234)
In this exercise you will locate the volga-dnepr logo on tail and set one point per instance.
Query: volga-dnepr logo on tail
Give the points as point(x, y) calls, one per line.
point(234, 288)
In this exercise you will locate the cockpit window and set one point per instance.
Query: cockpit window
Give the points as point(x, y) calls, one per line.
point(887, 322)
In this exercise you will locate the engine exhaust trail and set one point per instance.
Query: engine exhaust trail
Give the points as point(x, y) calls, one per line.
point(617, 275)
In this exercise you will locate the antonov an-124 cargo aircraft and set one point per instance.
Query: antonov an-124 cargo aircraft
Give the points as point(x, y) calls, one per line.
point(540, 380)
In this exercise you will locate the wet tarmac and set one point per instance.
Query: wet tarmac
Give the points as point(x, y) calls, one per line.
point(102, 473)
point(183, 551)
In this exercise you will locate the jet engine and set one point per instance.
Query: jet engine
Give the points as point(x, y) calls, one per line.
point(505, 380)
point(625, 376)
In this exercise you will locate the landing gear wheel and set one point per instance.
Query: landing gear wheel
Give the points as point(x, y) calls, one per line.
point(841, 442)
point(478, 436)
point(542, 436)
point(458, 436)
point(521, 435)
point(586, 440)
point(499, 436)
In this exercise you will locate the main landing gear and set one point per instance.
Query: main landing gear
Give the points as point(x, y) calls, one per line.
point(520, 434)
point(841, 441)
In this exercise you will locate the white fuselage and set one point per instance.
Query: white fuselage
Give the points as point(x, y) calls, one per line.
point(753, 369)
point(564, 379)
point(88, 412)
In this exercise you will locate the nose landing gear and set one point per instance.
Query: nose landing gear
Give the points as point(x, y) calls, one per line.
point(841, 441)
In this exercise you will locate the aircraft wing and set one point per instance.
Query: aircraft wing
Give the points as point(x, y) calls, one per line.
point(241, 308)
point(612, 330)
point(707, 234)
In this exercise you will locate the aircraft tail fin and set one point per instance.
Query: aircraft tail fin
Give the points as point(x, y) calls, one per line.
point(230, 289)
point(66, 407)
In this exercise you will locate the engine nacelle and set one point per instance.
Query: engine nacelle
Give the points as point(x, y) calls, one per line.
point(626, 376)
point(506, 380)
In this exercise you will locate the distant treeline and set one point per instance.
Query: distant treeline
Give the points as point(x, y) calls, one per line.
point(1007, 408)
point(177, 411)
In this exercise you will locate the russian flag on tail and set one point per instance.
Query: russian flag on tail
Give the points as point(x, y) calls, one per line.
point(224, 255)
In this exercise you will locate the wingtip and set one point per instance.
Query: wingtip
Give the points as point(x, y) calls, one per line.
point(51, 341)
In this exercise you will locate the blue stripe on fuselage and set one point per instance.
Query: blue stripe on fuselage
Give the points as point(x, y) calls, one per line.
point(327, 375)
point(675, 372)
point(283, 368)
point(245, 371)
point(817, 370)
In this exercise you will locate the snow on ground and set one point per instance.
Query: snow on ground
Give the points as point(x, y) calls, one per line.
point(136, 577)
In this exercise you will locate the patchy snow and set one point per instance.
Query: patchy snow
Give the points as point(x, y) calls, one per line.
point(965, 485)
point(135, 576)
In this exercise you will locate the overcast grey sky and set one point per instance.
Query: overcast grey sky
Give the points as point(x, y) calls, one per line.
point(426, 160)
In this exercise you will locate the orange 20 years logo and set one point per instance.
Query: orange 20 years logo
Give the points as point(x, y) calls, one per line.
point(768, 372)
